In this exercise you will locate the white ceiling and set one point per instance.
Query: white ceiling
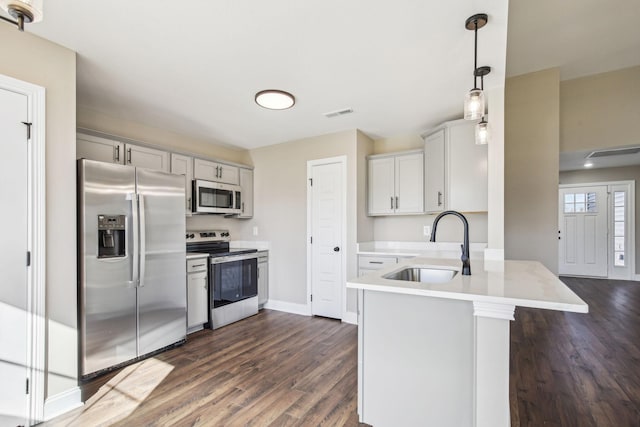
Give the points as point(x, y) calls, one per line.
point(402, 66)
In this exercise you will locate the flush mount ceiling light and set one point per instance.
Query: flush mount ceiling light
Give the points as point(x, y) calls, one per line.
point(24, 11)
point(588, 164)
point(474, 101)
point(274, 99)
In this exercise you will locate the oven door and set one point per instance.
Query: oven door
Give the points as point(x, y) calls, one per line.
point(214, 197)
point(233, 278)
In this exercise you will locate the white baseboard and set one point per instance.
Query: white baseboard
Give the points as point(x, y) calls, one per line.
point(62, 402)
point(350, 317)
point(636, 277)
point(288, 307)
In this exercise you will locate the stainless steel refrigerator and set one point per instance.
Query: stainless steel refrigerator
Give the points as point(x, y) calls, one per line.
point(131, 275)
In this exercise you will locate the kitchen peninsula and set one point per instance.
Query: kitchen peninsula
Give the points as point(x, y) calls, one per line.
point(436, 352)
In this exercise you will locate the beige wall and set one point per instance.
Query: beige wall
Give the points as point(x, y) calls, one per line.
point(35, 60)
point(398, 143)
point(94, 120)
point(280, 180)
point(629, 173)
point(600, 111)
point(532, 131)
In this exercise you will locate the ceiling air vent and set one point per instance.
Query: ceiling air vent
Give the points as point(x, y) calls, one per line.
point(614, 152)
point(338, 113)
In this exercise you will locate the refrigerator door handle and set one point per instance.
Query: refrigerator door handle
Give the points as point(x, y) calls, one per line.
point(135, 255)
point(143, 240)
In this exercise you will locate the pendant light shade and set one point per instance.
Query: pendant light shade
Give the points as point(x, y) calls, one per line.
point(482, 132)
point(474, 104)
point(24, 11)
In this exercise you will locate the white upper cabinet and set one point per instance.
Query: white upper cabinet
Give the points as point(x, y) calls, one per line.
point(183, 165)
point(218, 172)
point(396, 183)
point(101, 149)
point(113, 151)
point(148, 158)
point(246, 185)
point(456, 169)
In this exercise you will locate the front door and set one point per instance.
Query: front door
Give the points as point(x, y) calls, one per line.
point(327, 216)
point(583, 231)
point(13, 253)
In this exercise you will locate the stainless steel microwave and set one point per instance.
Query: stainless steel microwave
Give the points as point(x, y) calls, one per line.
point(216, 198)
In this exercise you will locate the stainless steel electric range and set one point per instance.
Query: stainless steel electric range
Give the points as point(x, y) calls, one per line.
point(233, 276)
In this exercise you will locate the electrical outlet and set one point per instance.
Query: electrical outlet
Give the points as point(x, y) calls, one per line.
point(255, 230)
point(427, 230)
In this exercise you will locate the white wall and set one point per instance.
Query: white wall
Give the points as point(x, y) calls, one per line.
point(38, 61)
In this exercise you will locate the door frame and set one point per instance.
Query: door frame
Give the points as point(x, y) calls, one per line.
point(342, 160)
point(631, 226)
point(36, 243)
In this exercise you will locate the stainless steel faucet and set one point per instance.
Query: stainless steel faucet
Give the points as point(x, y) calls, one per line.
point(466, 266)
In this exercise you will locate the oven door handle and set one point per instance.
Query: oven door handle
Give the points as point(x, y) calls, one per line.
point(231, 258)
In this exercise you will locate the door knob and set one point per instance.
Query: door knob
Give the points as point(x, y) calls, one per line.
point(336, 249)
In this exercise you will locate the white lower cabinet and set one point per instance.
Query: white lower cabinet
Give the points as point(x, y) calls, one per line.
point(263, 278)
point(371, 263)
point(197, 294)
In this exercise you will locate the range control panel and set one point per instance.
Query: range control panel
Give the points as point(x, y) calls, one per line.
point(208, 236)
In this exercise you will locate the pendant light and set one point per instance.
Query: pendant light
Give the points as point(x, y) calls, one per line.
point(474, 101)
point(482, 127)
point(24, 11)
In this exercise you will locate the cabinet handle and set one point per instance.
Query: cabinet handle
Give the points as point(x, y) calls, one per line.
point(392, 202)
point(129, 155)
point(439, 198)
point(242, 207)
point(220, 172)
point(189, 203)
point(197, 265)
point(397, 202)
point(118, 153)
point(217, 167)
point(375, 262)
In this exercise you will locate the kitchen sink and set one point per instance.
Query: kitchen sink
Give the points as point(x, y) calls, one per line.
point(422, 274)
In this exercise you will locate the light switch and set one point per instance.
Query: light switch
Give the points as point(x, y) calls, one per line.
point(255, 230)
point(427, 230)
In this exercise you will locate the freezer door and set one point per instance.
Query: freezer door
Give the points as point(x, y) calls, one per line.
point(107, 293)
point(162, 293)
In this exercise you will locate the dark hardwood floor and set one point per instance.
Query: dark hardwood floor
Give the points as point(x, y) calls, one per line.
point(278, 369)
point(570, 369)
point(273, 369)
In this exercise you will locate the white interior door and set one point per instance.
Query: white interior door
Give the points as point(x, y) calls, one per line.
point(13, 253)
point(583, 231)
point(327, 261)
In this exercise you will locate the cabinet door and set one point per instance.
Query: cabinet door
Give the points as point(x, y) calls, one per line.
point(183, 165)
point(434, 173)
point(381, 186)
point(101, 149)
point(148, 158)
point(246, 183)
point(263, 282)
point(466, 170)
point(229, 174)
point(409, 183)
point(218, 172)
point(197, 299)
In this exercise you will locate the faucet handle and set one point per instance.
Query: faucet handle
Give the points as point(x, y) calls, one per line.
point(464, 257)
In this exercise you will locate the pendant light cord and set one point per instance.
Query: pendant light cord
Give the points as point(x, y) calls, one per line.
point(475, 53)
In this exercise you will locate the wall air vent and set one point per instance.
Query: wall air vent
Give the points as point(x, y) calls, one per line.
point(614, 152)
point(338, 113)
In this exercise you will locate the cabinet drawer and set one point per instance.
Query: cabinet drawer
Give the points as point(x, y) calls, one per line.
point(375, 262)
point(198, 264)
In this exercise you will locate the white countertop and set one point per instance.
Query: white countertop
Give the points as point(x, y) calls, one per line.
point(196, 255)
point(425, 249)
point(519, 283)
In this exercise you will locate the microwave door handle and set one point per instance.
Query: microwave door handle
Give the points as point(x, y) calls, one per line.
point(143, 239)
point(135, 228)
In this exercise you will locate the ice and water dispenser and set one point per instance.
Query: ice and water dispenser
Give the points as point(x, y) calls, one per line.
point(111, 236)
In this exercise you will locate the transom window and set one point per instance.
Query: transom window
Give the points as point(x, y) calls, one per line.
point(580, 203)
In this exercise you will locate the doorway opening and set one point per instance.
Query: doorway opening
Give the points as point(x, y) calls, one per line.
point(596, 230)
